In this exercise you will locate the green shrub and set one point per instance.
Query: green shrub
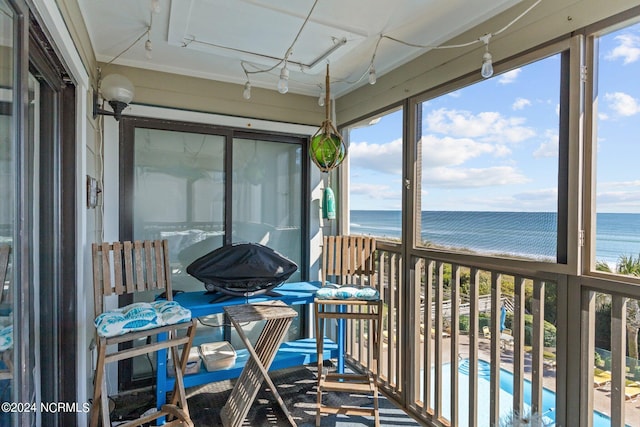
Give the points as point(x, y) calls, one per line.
point(483, 320)
point(463, 323)
point(549, 338)
point(597, 360)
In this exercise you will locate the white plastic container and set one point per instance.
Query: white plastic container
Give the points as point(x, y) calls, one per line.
point(218, 355)
point(193, 363)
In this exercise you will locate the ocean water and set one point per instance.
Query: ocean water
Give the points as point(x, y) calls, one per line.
point(528, 234)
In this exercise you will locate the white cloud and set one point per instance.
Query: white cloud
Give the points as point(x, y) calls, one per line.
point(548, 148)
point(384, 158)
point(472, 177)
point(542, 200)
point(603, 116)
point(509, 76)
point(451, 151)
point(618, 196)
point(628, 49)
point(520, 103)
point(456, 94)
point(612, 185)
point(622, 103)
point(542, 195)
point(486, 126)
point(375, 191)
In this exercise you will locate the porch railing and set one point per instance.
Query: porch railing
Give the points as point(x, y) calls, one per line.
point(450, 362)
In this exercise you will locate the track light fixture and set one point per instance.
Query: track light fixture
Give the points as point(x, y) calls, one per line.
point(487, 60)
point(487, 64)
point(148, 47)
point(370, 72)
point(283, 83)
point(372, 75)
point(155, 6)
point(246, 93)
point(321, 97)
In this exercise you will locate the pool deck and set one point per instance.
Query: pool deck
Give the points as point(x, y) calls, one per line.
point(601, 399)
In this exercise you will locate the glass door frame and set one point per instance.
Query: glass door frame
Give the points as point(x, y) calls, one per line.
point(127, 127)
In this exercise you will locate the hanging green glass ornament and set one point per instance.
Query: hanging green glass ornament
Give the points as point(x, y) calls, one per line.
point(327, 149)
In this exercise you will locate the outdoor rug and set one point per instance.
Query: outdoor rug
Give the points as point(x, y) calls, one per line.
point(296, 386)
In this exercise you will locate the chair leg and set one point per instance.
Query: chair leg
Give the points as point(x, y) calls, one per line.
point(178, 405)
point(376, 408)
point(98, 380)
point(104, 403)
point(319, 354)
point(318, 404)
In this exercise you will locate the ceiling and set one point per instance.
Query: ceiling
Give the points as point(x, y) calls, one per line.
point(215, 39)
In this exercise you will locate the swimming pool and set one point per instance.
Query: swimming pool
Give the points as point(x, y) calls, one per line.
point(506, 396)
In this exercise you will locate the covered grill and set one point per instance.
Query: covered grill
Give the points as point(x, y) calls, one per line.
point(242, 270)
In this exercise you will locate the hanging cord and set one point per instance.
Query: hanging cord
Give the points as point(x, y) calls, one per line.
point(450, 46)
point(146, 32)
point(288, 52)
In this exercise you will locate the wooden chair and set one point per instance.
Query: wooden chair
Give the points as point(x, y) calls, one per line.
point(126, 268)
point(5, 301)
point(349, 260)
point(486, 331)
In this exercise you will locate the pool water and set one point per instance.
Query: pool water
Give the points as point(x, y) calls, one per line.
point(506, 396)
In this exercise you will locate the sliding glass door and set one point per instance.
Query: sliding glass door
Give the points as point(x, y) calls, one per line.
point(202, 187)
point(267, 196)
point(179, 195)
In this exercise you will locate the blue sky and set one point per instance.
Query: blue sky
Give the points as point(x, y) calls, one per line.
point(493, 146)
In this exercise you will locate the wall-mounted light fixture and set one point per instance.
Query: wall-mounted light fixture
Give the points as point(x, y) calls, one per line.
point(118, 91)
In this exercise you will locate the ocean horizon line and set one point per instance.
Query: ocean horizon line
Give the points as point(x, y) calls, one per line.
point(524, 233)
point(487, 211)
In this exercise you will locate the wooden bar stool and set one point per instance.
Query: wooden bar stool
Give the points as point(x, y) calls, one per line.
point(371, 312)
point(278, 318)
point(356, 305)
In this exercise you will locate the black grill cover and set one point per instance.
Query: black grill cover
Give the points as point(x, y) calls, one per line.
point(242, 269)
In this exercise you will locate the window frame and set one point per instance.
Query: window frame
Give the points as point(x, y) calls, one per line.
point(345, 169)
point(570, 183)
point(590, 34)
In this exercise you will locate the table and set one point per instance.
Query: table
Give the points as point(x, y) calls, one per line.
point(294, 353)
point(278, 316)
point(506, 340)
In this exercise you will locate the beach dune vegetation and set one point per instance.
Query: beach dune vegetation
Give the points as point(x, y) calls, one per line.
point(628, 266)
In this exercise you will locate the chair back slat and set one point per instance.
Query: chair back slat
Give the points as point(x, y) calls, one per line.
point(348, 259)
point(118, 283)
point(5, 250)
point(127, 257)
point(159, 279)
point(140, 262)
point(128, 267)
